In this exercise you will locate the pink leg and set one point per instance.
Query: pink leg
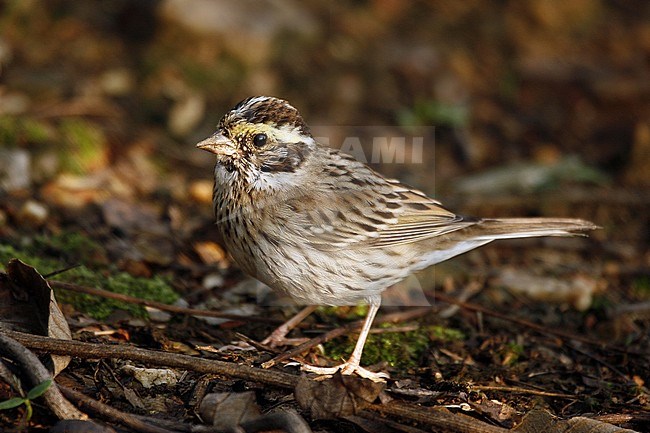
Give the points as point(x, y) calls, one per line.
point(352, 364)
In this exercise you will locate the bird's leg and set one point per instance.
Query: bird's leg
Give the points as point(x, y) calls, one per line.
point(278, 336)
point(352, 364)
point(355, 359)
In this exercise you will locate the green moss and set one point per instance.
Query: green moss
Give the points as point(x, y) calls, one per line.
point(445, 334)
point(348, 313)
point(36, 131)
point(84, 145)
point(17, 130)
point(70, 246)
point(400, 350)
point(53, 253)
point(43, 265)
point(50, 253)
point(156, 289)
point(511, 353)
point(641, 287)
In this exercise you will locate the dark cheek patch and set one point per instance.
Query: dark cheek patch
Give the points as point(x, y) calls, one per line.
point(286, 159)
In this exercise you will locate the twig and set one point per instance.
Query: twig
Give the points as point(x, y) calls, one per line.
point(623, 418)
point(257, 345)
point(151, 357)
point(158, 305)
point(435, 417)
point(60, 271)
point(395, 329)
point(468, 291)
point(337, 332)
point(37, 373)
point(519, 390)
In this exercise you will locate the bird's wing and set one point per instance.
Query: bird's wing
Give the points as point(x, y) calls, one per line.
point(368, 212)
point(417, 217)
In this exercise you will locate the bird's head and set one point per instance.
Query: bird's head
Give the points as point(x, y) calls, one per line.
point(259, 140)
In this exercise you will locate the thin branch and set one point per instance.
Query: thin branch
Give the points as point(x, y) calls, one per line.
point(37, 373)
point(158, 305)
point(436, 417)
point(150, 357)
point(624, 418)
point(519, 390)
point(468, 291)
point(60, 271)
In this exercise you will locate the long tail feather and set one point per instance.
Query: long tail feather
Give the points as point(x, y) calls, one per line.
point(512, 228)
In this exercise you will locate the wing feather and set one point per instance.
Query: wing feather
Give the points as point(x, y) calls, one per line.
point(418, 217)
point(370, 211)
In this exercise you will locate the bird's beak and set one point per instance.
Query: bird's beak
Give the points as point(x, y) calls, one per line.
point(218, 144)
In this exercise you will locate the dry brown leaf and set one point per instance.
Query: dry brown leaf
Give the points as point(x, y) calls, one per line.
point(227, 410)
point(337, 396)
point(27, 304)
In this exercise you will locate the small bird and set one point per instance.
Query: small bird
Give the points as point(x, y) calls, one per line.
point(320, 227)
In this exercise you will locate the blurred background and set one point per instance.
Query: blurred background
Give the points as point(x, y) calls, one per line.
point(86, 83)
point(537, 107)
point(526, 108)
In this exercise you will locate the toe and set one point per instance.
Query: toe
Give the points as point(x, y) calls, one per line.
point(348, 369)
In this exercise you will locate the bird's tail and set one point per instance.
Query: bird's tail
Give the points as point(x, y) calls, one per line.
point(512, 228)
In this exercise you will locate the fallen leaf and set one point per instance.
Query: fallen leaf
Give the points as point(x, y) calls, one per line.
point(494, 410)
point(27, 304)
point(337, 396)
point(227, 410)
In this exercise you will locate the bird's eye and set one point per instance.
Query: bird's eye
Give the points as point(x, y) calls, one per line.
point(259, 140)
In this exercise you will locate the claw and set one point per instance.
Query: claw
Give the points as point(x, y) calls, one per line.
point(347, 368)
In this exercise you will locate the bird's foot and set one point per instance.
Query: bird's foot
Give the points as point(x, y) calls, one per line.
point(347, 368)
